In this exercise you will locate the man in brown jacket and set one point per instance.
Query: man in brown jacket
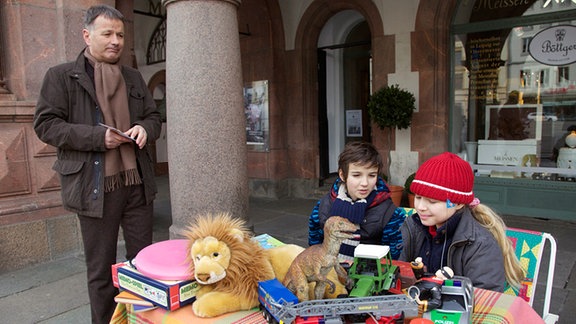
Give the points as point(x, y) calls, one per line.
point(107, 176)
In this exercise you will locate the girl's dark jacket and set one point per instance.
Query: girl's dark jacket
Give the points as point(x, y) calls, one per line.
point(67, 117)
point(474, 252)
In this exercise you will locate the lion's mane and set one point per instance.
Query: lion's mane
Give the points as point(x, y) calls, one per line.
point(249, 262)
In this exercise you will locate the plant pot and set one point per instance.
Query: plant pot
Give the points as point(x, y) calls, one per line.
point(396, 194)
point(411, 200)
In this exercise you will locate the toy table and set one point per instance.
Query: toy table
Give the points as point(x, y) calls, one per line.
point(124, 314)
point(489, 307)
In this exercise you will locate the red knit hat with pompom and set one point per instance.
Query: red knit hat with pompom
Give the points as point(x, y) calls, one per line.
point(445, 177)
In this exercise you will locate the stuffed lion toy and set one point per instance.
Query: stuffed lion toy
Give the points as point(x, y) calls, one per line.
point(228, 264)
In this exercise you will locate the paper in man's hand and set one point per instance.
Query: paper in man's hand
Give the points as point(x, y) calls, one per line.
point(117, 131)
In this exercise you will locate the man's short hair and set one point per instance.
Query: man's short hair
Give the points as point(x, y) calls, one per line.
point(101, 10)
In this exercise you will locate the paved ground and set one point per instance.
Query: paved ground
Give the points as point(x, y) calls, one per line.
point(56, 292)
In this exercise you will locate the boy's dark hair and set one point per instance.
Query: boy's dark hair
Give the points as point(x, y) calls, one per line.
point(101, 10)
point(359, 152)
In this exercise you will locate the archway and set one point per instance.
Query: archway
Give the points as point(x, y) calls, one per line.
point(314, 20)
point(157, 86)
point(343, 86)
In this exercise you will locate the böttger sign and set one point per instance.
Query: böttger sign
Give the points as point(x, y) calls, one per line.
point(555, 45)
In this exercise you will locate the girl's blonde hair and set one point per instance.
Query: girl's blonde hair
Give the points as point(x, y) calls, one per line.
point(495, 224)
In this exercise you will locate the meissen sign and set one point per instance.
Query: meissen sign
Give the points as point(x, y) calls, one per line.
point(555, 45)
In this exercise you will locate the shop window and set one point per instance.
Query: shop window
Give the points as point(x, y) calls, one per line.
point(557, 3)
point(458, 81)
point(543, 80)
point(518, 106)
point(525, 79)
point(563, 75)
point(525, 45)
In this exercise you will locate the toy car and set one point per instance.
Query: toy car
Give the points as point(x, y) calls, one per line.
point(457, 302)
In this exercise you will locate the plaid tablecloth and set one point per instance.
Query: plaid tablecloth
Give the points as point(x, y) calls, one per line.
point(489, 307)
point(493, 307)
point(124, 315)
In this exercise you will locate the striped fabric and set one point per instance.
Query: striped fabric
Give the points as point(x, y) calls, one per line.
point(391, 234)
point(315, 231)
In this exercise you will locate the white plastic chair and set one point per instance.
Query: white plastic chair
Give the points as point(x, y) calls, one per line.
point(529, 247)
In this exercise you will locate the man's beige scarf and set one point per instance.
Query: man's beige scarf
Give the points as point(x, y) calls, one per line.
point(111, 93)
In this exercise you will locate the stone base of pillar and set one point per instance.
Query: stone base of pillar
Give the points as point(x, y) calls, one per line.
point(7, 97)
point(45, 238)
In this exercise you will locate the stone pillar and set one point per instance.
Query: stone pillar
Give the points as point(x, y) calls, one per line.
point(3, 89)
point(5, 94)
point(205, 116)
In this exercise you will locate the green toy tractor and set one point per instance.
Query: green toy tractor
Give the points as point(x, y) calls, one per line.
point(373, 272)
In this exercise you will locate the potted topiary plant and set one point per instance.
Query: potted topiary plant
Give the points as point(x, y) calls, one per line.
point(409, 193)
point(391, 108)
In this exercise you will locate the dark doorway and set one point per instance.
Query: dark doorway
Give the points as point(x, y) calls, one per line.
point(322, 117)
point(355, 64)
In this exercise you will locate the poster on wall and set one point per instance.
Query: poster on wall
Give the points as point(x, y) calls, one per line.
point(354, 123)
point(256, 114)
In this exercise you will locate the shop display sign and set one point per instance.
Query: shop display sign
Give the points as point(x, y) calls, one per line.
point(555, 45)
point(256, 113)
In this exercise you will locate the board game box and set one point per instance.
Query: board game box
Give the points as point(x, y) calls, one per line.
point(168, 294)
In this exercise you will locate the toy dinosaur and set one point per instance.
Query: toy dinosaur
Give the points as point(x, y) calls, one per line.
point(314, 263)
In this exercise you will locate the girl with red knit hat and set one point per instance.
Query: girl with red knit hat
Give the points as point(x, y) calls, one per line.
point(451, 228)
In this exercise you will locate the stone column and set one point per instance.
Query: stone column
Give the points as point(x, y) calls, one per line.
point(3, 89)
point(205, 116)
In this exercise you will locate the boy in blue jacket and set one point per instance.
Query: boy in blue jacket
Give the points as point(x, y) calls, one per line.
point(360, 195)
